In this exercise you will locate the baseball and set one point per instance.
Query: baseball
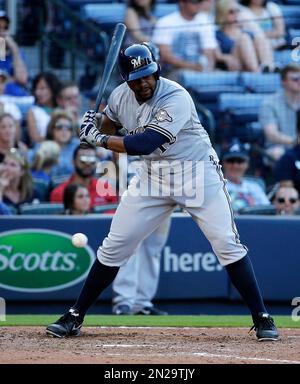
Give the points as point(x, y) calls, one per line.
point(79, 240)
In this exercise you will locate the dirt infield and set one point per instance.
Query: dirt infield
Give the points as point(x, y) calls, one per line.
point(147, 345)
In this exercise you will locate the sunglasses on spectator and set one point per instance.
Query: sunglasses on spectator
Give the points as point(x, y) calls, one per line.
point(233, 11)
point(194, 1)
point(65, 127)
point(238, 160)
point(282, 200)
point(294, 78)
point(88, 159)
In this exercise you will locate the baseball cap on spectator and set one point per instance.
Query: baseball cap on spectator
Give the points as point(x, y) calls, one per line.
point(236, 151)
point(3, 15)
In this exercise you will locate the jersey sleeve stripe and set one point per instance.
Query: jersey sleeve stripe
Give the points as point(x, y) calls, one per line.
point(162, 131)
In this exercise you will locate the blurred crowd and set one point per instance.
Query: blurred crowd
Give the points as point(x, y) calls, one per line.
point(40, 157)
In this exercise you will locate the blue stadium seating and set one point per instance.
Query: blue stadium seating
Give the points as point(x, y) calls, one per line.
point(261, 82)
point(41, 209)
point(292, 2)
point(205, 88)
point(237, 114)
point(258, 210)
point(240, 102)
point(283, 57)
point(291, 15)
point(108, 15)
point(292, 34)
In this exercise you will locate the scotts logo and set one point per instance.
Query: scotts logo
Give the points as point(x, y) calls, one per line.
point(41, 261)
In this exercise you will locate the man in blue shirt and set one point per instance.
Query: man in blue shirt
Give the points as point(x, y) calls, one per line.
point(14, 62)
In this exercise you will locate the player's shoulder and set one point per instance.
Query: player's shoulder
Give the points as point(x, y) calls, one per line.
point(170, 87)
point(119, 91)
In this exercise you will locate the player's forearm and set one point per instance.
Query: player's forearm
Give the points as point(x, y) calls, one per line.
point(139, 144)
point(115, 144)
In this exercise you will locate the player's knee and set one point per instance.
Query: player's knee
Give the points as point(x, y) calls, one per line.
point(229, 252)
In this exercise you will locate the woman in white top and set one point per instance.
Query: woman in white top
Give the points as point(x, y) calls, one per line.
point(45, 88)
point(262, 16)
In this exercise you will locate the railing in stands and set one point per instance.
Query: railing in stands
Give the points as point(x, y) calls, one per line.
point(71, 38)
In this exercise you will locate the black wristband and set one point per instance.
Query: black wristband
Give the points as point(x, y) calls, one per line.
point(104, 141)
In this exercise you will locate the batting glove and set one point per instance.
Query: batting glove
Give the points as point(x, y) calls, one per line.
point(89, 134)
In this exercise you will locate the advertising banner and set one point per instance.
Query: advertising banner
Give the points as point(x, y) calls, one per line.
point(38, 261)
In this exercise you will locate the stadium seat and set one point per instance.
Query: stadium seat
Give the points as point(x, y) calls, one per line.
point(206, 118)
point(283, 58)
point(200, 81)
point(294, 33)
point(258, 210)
point(107, 208)
point(23, 102)
point(205, 88)
point(261, 82)
point(292, 2)
point(242, 102)
point(107, 15)
point(42, 187)
point(41, 209)
point(291, 15)
point(237, 111)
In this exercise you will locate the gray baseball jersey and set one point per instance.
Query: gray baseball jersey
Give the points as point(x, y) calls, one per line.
point(171, 112)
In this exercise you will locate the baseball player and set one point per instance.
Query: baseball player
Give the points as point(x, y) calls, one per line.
point(179, 167)
point(136, 283)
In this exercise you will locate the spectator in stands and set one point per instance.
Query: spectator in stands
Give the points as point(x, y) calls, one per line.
point(237, 49)
point(186, 38)
point(139, 20)
point(76, 200)
point(6, 105)
point(69, 99)
point(4, 209)
point(278, 113)
point(243, 192)
point(264, 17)
point(16, 173)
point(85, 163)
point(45, 88)
point(45, 158)
point(9, 136)
point(286, 201)
point(14, 63)
point(61, 130)
point(287, 169)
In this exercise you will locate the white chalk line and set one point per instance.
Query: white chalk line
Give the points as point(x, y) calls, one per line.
point(125, 345)
point(208, 355)
point(201, 354)
point(213, 355)
point(193, 328)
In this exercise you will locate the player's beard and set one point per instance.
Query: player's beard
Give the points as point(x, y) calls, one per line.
point(145, 95)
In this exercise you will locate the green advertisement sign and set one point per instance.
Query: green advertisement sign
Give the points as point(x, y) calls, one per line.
point(35, 260)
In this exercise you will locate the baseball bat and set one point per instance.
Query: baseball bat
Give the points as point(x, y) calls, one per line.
point(110, 62)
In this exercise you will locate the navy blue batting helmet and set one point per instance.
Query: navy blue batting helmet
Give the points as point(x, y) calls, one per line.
point(137, 61)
